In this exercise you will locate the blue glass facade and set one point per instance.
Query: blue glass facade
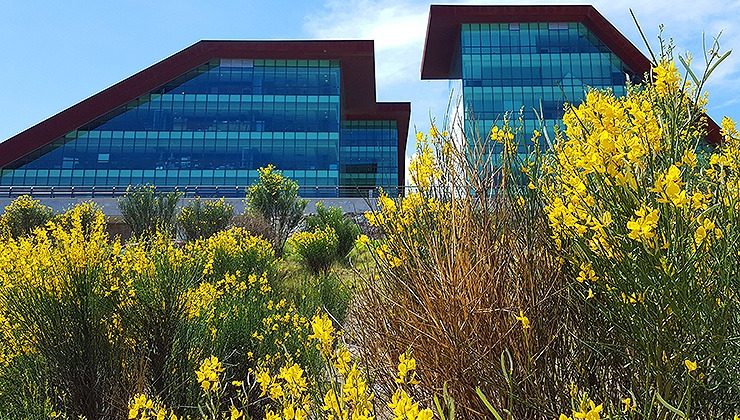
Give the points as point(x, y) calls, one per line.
point(368, 155)
point(216, 125)
point(508, 67)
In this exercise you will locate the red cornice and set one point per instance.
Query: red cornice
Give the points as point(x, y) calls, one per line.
point(357, 78)
point(400, 112)
point(441, 49)
point(442, 46)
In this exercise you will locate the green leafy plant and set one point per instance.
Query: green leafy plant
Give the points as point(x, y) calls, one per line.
point(201, 219)
point(147, 211)
point(345, 228)
point(275, 197)
point(23, 215)
point(316, 249)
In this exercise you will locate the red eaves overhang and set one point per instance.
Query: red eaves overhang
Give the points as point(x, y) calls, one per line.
point(357, 79)
point(400, 112)
point(442, 46)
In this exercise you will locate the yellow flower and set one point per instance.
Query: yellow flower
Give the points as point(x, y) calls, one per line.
point(270, 415)
point(406, 369)
point(342, 360)
point(294, 379)
point(323, 332)
point(424, 168)
point(586, 274)
point(589, 411)
point(690, 365)
point(140, 402)
point(643, 227)
point(523, 319)
point(669, 186)
point(689, 159)
point(236, 414)
point(208, 373)
point(728, 128)
point(706, 226)
point(628, 405)
point(363, 240)
point(404, 408)
point(667, 78)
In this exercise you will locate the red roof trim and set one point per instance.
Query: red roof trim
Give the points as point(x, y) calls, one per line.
point(443, 33)
point(400, 112)
point(442, 45)
point(357, 67)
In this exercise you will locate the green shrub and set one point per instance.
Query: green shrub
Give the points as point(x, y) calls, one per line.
point(317, 249)
point(275, 197)
point(201, 219)
point(24, 215)
point(147, 211)
point(345, 228)
point(24, 386)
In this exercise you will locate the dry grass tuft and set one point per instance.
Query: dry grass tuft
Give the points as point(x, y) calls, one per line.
point(473, 256)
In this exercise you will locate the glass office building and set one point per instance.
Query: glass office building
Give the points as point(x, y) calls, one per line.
point(532, 68)
point(529, 59)
point(218, 122)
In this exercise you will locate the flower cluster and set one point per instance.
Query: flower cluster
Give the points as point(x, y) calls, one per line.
point(143, 408)
point(424, 168)
point(208, 374)
point(289, 389)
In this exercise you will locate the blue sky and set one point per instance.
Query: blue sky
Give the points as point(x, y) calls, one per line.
point(58, 53)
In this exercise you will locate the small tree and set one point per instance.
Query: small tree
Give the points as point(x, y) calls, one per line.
point(147, 211)
point(345, 228)
point(24, 215)
point(201, 219)
point(275, 197)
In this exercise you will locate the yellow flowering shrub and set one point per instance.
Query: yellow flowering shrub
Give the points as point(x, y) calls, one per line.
point(23, 215)
point(56, 308)
point(343, 389)
point(141, 316)
point(649, 216)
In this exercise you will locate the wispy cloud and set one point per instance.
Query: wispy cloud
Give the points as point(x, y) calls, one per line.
point(397, 27)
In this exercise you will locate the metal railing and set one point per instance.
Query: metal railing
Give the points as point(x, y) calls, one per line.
point(189, 191)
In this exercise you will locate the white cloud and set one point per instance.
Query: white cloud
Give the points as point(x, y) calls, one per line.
point(397, 27)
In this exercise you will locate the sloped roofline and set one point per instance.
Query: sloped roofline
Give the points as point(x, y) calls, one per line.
point(443, 33)
point(357, 84)
point(441, 48)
